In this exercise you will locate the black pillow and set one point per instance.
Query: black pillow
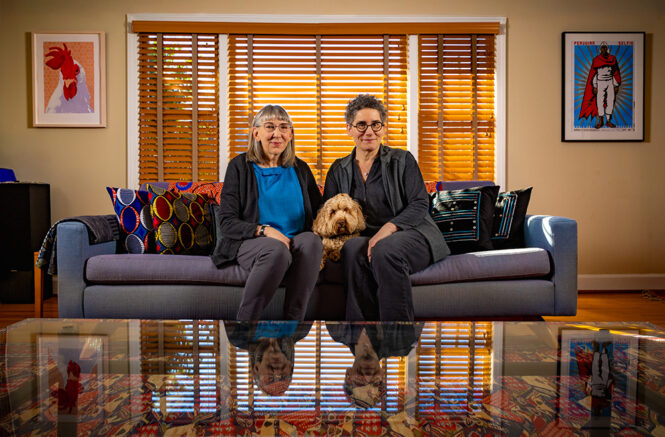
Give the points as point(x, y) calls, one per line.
point(465, 217)
point(509, 214)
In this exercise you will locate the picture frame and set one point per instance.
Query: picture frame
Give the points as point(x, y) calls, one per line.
point(71, 382)
point(607, 64)
point(598, 376)
point(69, 79)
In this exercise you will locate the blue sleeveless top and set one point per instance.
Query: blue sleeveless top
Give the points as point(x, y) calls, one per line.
point(280, 199)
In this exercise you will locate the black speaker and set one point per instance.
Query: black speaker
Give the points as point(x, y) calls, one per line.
point(25, 218)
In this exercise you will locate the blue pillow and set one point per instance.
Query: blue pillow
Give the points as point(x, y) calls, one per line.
point(132, 208)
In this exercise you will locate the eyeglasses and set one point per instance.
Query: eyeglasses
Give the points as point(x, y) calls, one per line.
point(361, 126)
point(283, 127)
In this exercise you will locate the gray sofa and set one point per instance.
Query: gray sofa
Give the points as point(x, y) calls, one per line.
point(540, 279)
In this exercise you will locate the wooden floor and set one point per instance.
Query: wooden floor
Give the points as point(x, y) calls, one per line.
point(591, 307)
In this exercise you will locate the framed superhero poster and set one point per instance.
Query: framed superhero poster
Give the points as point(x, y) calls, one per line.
point(603, 86)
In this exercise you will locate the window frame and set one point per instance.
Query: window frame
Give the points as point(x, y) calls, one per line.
point(412, 92)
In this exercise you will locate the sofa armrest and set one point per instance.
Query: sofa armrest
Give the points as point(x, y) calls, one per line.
point(557, 235)
point(73, 250)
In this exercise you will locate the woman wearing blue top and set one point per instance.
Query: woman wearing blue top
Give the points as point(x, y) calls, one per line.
point(264, 219)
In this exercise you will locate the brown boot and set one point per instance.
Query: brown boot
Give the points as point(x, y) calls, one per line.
point(609, 123)
point(599, 123)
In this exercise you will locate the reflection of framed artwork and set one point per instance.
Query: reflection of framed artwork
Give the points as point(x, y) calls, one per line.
point(71, 382)
point(598, 376)
point(603, 86)
point(69, 83)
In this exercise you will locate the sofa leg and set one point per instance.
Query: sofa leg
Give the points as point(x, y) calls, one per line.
point(39, 289)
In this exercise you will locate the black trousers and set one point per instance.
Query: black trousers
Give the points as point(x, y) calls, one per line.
point(380, 289)
point(270, 262)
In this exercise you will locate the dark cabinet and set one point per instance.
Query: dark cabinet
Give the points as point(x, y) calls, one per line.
point(24, 221)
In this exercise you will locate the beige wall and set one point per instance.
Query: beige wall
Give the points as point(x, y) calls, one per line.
point(614, 190)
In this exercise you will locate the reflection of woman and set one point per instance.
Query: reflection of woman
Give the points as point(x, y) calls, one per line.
point(270, 347)
point(400, 237)
point(268, 201)
point(364, 382)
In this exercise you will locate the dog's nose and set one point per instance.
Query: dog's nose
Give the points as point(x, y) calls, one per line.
point(340, 226)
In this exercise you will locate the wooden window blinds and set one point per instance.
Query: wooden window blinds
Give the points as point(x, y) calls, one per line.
point(454, 370)
point(186, 355)
point(313, 76)
point(456, 107)
point(178, 107)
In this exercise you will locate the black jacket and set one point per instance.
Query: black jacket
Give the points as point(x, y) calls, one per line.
point(237, 216)
point(393, 171)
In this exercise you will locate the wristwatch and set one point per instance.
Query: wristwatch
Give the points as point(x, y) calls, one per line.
point(262, 230)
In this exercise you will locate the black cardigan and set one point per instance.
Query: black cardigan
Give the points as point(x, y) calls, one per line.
point(237, 216)
point(393, 169)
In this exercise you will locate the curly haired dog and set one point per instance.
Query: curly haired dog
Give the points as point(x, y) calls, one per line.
point(339, 219)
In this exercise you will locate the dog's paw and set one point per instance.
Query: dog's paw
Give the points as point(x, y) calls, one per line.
point(334, 256)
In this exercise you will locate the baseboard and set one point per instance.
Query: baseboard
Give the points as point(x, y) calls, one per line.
point(654, 281)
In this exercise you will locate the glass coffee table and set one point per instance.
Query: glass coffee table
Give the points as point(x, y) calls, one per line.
point(146, 377)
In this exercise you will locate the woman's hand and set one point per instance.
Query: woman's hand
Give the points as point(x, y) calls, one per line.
point(271, 232)
point(386, 231)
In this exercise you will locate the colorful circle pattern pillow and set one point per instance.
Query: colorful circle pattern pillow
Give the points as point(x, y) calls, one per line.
point(181, 221)
point(133, 211)
point(211, 191)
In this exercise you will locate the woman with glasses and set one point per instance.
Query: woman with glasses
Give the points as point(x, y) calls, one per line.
point(401, 237)
point(263, 223)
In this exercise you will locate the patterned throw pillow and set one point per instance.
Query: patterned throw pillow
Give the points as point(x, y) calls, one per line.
point(509, 215)
point(181, 221)
point(211, 191)
point(465, 217)
point(133, 210)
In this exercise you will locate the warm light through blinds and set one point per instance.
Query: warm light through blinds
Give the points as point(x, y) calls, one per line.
point(183, 357)
point(179, 108)
point(454, 367)
point(313, 77)
point(456, 107)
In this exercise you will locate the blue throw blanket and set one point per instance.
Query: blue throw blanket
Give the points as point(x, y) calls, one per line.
point(101, 228)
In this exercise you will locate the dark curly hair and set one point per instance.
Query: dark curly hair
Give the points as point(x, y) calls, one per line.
point(362, 101)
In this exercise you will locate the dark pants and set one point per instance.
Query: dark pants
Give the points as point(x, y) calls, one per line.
point(269, 262)
point(381, 289)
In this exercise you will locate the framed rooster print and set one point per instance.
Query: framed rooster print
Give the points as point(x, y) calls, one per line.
point(603, 86)
point(69, 79)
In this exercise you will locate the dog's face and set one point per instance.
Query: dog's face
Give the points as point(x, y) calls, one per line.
point(340, 215)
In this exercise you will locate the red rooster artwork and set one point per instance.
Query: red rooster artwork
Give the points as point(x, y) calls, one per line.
point(71, 94)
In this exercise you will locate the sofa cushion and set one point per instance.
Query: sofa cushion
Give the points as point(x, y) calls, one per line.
point(181, 221)
point(509, 214)
point(465, 217)
point(133, 211)
point(161, 269)
point(475, 266)
point(211, 191)
point(487, 265)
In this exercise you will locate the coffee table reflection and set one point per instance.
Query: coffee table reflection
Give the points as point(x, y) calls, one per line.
point(127, 377)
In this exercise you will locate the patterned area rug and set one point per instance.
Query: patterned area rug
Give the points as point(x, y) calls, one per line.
point(654, 295)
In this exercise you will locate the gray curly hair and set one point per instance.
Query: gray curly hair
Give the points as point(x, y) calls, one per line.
point(362, 101)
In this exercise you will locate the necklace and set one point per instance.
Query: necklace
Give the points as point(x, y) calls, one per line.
point(365, 175)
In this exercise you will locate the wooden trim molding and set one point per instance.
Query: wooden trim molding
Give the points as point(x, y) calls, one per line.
point(627, 282)
point(314, 28)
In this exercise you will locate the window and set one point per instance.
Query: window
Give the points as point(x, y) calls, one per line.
point(179, 107)
point(439, 80)
point(456, 107)
point(313, 77)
